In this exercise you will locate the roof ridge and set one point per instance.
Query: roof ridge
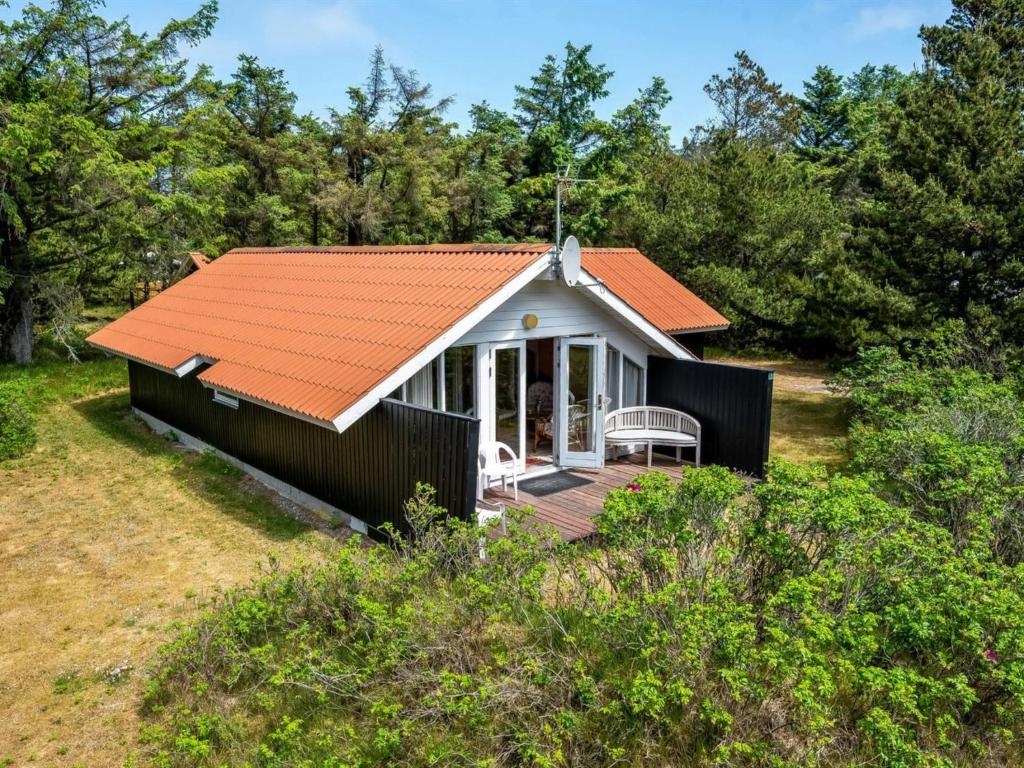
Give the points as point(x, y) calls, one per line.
point(453, 248)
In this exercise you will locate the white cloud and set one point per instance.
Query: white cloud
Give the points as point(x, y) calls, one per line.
point(315, 23)
point(893, 17)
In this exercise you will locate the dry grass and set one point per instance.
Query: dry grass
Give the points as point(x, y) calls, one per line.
point(809, 423)
point(108, 535)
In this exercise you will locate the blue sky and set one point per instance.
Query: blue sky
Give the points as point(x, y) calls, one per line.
point(479, 49)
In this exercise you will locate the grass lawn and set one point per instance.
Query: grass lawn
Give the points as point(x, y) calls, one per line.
point(809, 423)
point(108, 535)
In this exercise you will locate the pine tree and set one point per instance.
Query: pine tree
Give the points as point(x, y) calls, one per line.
point(88, 106)
point(750, 106)
point(947, 221)
point(824, 118)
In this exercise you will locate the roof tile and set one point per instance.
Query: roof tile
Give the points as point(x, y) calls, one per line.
point(313, 330)
point(650, 290)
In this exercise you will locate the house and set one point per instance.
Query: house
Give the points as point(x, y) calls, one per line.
point(347, 374)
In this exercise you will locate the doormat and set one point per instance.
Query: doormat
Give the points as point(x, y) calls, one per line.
point(560, 481)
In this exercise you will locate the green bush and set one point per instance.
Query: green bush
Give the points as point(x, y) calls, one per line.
point(17, 428)
point(806, 622)
point(875, 619)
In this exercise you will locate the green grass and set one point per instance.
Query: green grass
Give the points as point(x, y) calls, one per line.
point(106, 527)
point(809, 423)
point(809, 428)
point(54, 381)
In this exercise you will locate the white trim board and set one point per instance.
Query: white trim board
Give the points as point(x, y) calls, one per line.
point(358, 409)
point(690, 331)
point(604, 295)
point(290, 492)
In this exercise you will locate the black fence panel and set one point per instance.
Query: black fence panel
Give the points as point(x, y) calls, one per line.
point(368, 471)
point(733, 405)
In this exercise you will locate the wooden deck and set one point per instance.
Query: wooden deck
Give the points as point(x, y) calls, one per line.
point(571, 511)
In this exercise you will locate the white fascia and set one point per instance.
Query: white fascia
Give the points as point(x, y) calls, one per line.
point(357, 410)
point(643, 327)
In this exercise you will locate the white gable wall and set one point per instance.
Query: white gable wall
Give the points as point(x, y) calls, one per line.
point(560, 311)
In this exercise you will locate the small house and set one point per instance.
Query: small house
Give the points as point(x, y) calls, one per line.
point(344, 375)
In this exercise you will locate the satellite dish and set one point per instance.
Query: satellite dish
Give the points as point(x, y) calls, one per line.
point(569, 261)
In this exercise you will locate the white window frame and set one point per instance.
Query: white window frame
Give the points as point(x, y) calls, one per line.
point(441, 377)
point(223, 398)
point(616, 388)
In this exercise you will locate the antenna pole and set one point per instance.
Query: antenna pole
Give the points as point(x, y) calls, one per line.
point(566, 179)
point(558, 214)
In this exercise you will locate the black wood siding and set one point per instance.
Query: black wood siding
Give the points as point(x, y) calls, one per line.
point(368, 471)
point(694, 343)
point(733, 405)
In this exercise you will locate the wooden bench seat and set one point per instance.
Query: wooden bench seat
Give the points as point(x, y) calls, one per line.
point(651, 425)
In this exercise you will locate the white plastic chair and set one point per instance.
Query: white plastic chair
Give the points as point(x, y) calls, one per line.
point(492, 465)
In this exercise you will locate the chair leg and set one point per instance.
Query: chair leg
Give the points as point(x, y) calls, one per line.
point(697, 456)
point(679, 455)
point(515, 486)
point(650, 447)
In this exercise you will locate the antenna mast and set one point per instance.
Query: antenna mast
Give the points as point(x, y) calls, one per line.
point(564, 180)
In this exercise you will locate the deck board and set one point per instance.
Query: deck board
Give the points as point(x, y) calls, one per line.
point(571, 512)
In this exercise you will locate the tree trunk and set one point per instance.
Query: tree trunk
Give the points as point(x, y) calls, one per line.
point(17, 310)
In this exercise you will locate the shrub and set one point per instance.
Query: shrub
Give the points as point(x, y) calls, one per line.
point(875, 618)
point(809, 621)
point(946, 440)
point(17, 429)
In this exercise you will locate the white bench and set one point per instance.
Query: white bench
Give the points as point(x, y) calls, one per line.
point(649, 425)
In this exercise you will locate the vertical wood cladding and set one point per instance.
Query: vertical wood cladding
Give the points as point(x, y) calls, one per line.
point(733, 405)
point(369, 470)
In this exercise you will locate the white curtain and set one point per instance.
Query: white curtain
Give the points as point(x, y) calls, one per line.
point(632, 384)
point(420, 389)
point(611, 379)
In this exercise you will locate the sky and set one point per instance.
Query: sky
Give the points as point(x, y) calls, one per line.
point(477, 50)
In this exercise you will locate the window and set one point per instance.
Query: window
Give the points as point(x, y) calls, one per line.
point(459, 374)
point(424, 387)
point(624, 382)
point(612, 381)
point(632, 384)
point(225, 399)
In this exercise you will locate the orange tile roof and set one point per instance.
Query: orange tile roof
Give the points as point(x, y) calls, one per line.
point(199, 259)
point(650, 290)
point(313, 330)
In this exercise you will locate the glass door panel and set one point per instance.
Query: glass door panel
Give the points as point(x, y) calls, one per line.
point(509, 397)
point(581, 398)
point(581, 402)
point(460, 380)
